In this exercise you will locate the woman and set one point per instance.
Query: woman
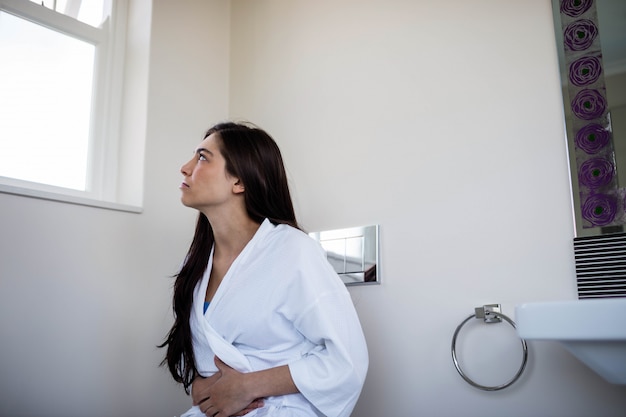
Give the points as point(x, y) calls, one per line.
point(263, 324)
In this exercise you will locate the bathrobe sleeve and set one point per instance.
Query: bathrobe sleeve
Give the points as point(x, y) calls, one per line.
point(331, 375)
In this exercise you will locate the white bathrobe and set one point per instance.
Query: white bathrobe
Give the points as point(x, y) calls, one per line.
point(281, 303)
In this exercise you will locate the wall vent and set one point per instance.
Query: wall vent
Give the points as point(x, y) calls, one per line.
point(601, 266)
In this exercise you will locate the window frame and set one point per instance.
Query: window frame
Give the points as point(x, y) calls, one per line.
point(103, 172)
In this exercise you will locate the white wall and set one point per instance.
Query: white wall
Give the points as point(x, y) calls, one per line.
point(440, 121)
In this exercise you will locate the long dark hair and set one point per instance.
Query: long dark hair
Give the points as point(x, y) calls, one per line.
point(252, 156)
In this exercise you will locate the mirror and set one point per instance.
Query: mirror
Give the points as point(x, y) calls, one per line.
point(353, 253)
point(591, 41)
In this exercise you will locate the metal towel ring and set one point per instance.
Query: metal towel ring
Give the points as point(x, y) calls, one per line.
point(491, 314)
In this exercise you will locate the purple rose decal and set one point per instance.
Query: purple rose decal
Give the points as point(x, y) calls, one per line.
point(596, 172)
point(579, 35)
point(599, 209)
point(585, 70)
point(575, 8)
point(588, 104)
point(592, 138)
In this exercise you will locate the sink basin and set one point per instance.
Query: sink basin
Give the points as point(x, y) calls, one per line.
point(592, 330)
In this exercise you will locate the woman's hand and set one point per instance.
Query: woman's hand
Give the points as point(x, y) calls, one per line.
point(223, 394)
point(200, 386)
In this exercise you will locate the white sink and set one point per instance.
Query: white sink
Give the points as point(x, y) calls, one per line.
point(592, 330)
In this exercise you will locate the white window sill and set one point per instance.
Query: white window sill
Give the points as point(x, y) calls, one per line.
point(66, 198)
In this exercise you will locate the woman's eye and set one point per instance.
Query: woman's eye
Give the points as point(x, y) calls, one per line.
point(201, 157)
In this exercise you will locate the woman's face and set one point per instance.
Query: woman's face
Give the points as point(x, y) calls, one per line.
point(207, 185)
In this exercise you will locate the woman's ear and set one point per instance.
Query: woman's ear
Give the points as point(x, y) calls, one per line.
point(238, 187)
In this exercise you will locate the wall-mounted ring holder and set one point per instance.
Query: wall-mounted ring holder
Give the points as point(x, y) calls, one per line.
point(490, 313)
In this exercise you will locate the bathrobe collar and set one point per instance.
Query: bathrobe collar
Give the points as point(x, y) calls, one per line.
point(264, 229)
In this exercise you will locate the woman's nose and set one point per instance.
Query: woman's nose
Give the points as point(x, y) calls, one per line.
point(185, 169)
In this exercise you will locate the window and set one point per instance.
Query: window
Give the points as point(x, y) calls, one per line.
point(60, 98)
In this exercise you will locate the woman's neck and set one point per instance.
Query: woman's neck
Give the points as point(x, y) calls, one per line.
point(232, 235)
